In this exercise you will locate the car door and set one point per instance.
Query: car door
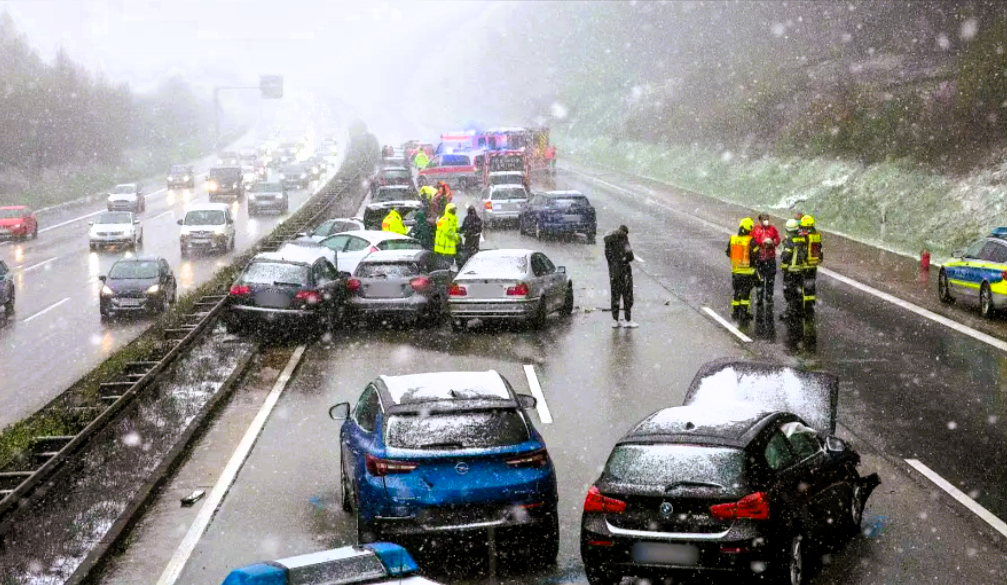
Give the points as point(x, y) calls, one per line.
point(556, 279)
point(359, 435)
point(355, 251)
point(544, 281)
point(6, 286)
point(327, 281)
point(783, 483)
point(958, 271)
point(822, 483)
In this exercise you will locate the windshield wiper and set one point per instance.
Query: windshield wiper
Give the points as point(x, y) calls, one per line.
point(443, 445)
point(679, 484)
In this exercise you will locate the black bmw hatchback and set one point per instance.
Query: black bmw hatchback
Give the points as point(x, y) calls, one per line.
point(745, 478)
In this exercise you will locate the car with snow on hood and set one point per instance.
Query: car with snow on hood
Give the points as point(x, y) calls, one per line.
point(115, 228)
point(399, 286)
point(747, 477)
point(402, 197)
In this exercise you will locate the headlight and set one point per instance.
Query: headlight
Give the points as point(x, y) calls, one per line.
point(106, 292)
point(304, 175)
point(212, 186)
point(219, 230)
point(185, 178)
point(234, 185)
point(154, 289)
point(170, 178)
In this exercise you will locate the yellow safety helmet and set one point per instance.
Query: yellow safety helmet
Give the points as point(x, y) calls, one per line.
point(807, 221)
point(747, 224)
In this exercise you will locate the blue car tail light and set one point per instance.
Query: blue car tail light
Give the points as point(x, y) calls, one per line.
point(258, 574)
point(396, 559)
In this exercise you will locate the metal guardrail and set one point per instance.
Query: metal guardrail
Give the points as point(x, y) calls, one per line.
point(49, 454)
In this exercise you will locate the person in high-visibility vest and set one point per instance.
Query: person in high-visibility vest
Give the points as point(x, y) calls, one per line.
point(446, 238)
point(810, 268)
point(421, 160)
point(393, 223)
point(793, 258)
point(741, 250)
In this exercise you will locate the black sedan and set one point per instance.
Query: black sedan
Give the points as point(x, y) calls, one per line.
point(136, 285)
point(399, 285)
point(747, 477)
point(557, 213)
point(294, 286)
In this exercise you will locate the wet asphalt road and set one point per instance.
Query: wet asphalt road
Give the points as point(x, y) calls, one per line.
point(598, 382)
point(55, 335)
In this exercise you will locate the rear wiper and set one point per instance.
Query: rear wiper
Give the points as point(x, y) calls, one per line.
point(679, 484)
point(443, 445)
point(281, 283)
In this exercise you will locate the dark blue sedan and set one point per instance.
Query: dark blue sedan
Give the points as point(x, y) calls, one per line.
point(448, 454)
point(558, 212)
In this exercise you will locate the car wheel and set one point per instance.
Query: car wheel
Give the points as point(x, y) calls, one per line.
point(592, 238)
point(34, 233)
point(538, 319)
point(986, 307)
point(366, 533)
point(344, 491)
point(943, 289)
point(600, 576)
point(792, 561)
point(567, 309)
point(855, 509)
point(544, 547)
point(9, 305)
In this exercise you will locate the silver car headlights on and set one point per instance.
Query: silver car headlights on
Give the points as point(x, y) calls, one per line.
point(154, 289)
point(106, 292)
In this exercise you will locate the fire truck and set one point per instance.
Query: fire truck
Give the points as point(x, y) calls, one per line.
point(540, 155)
point(506, 163)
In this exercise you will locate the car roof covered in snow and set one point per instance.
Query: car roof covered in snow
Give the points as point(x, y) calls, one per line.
point(445, 391)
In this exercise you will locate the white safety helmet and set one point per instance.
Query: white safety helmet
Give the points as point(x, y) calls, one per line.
point(792, 225)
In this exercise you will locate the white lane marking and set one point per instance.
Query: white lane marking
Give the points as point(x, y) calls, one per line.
point(987, 516)
point(174, 569)
point(925, 313)
point(45, 310)
point(543, 409)
point(37, 264)
point(162, 214)
point(69, 221)
point(737, 333)
point(964, 329)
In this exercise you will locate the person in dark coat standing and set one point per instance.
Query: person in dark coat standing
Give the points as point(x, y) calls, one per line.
point(472, 231)
point(423, 230)
point(619, 254)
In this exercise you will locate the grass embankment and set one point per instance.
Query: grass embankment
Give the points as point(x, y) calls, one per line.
point(897, 204)
point(59, 417)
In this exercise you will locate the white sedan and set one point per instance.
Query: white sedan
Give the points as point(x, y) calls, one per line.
point(115, 228)
point(352, 247)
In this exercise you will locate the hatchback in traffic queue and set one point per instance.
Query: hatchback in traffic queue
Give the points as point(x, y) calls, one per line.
point(448, 454)
point(181, 176)
point(352, 247)
point(294, 286)
point(978, 275)
point(745, 478)
point(334, 226)
point(509, 285)
point(137, 285)
point(559, 212)
point(399, 286)
point(267, 195)
point(503, 204)
point(126, 197)
point(295, 176)
point(17, 221)
point(115, 228)
point(225, 182)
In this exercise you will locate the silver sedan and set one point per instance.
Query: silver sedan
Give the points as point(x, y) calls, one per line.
point(509, 285)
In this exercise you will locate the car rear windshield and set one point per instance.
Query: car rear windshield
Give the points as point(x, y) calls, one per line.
point(394, 195)
point(671, 464)
point(464, 430)
point(387, 269)
point(204, 217)
point(266, 188)
point(113, 218)
point(225, 174)
point(11, 213)
point(275, 273)
point(508, 194)
point(396, 174)
point(455, 160)
point(403, 244)
point(566, 202)
point(133, 269)
point(498, 266)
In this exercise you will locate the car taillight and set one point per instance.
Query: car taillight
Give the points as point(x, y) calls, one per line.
point(353, 285)
point(420, 283)
point(382, 467)
point(488, 205)
point(538, 458)
point(595, 502)
point(308, 296)
point(518, 290)
point(373, 249)
point(458, 290)
point(753, 506)
point(241, 289)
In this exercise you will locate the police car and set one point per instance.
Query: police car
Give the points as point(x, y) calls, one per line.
point(378, 562)
point(979, 275)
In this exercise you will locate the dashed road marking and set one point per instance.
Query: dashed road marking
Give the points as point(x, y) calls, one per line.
point(162, 214)
point(174, 569)
point(70, 221)
point(737, 332)
point(987, 516)
point(38, 264)
point(536, 390)
point(45, 310)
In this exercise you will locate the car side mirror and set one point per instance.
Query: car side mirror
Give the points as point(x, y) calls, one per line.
point(340, 411)
point(136, 220)
point(179, 222)
point(835, 445)
point(103, 278)
point(526, 401)
point(561, 269)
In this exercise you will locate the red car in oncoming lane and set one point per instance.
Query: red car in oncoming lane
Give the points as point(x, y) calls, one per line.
point(16, 221)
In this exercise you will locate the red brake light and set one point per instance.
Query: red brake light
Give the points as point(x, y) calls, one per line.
point(595, 502)
point(373, 249)
point(353, 285)
point(519, 290)
point(753, 506)
point(308, 296)
point(458, 290)
point(420, 283)
point(382, 467)
point(241, 289)
point(538, 458)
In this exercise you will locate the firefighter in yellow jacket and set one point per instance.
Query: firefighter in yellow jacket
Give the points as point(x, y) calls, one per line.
point(393, 223)
point(815, 257)
point(446, 238)
point(741, 250)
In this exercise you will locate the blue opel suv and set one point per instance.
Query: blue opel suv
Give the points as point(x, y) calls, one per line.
point(448, 453)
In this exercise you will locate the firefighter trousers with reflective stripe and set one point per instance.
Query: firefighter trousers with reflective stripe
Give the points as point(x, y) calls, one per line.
point(741, 305)
point(809, 275)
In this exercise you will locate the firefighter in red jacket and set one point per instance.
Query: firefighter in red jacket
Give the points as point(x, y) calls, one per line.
point(766, 237)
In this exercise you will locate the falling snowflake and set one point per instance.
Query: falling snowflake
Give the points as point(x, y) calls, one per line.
point(969, 29)
point(558, 110)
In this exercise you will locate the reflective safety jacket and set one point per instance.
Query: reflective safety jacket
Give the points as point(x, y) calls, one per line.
point(421, 160)
point(393, 223)
point(814, 248)
point(428, 192)
point(740, 249)
point(446, 239)
point(794, 253)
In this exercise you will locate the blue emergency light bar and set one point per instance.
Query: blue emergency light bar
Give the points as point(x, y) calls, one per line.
point(999, 232)
point(349, 564)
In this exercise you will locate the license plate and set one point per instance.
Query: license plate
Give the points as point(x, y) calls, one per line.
point(272, 299)
point(483, 291)
point(130, 302)
point(662, 553)
point(384, 289)
point(571, 218)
